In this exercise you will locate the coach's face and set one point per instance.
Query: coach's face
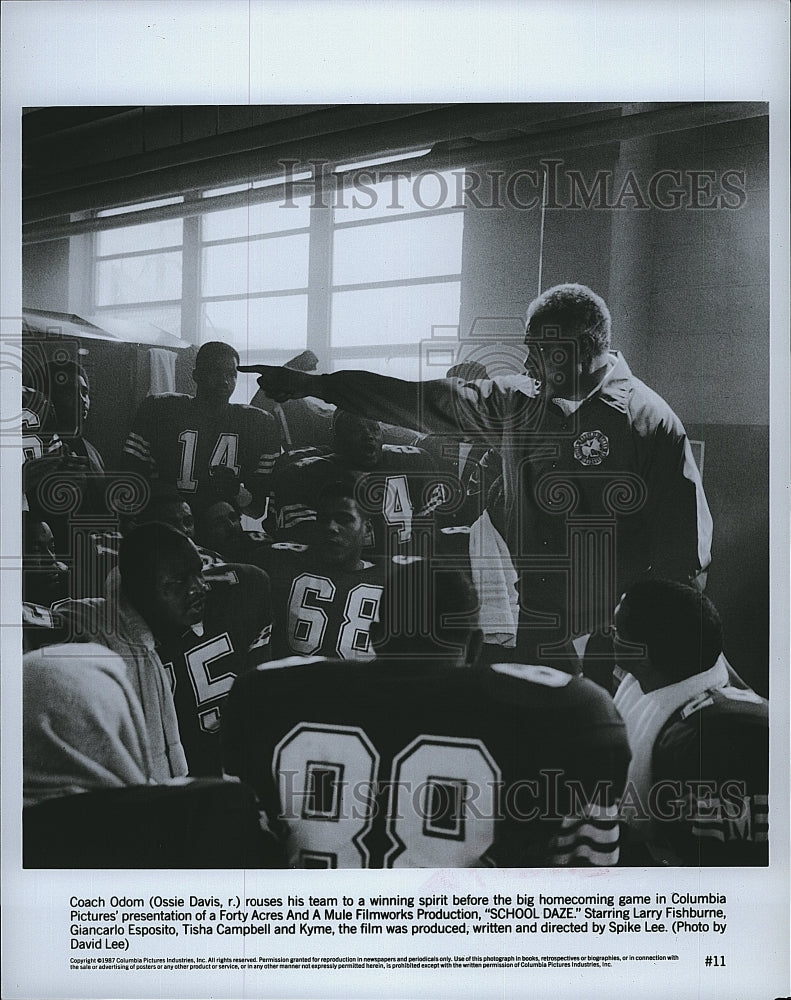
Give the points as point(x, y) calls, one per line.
point(216, 379)
point(179, 589)
point(553, 364)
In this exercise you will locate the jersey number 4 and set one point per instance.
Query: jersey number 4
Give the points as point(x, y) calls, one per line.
point(226, 452)
point(441, 808)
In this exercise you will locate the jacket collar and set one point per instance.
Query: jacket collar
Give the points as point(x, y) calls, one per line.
point(617, 385)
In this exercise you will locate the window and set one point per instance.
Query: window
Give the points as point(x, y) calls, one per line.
point(137, 270)
point(396, 269)
point(361, 270)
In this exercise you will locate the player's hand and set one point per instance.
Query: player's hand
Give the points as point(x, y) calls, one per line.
point(281, 384)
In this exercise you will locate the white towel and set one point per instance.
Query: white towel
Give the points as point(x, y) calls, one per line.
point(163, 371)
point(646, 714)
point(495, 580)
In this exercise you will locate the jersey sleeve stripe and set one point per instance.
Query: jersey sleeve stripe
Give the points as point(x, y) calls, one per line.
point(295, 514)
point(138, 448)
point(601, 859)
point(717, 834)
point(138, 439)
point(594, 835)
point(266, 462)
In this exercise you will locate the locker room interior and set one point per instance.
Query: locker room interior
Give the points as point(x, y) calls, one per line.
point(688, 288)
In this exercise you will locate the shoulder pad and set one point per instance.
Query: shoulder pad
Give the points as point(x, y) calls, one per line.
point(402, 449)
point(290, 661)
point(548, 676)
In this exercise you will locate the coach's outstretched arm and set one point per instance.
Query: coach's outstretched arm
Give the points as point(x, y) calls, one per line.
point(484, 408)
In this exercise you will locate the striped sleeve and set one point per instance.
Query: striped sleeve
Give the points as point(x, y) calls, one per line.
point(137, 447)
point(590, 839)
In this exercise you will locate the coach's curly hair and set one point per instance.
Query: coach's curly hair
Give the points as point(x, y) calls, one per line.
point(577, 311)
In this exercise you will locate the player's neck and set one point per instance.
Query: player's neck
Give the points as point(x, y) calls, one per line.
point(210, 404)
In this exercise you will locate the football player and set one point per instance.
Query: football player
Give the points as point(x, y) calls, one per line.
point(698, 783)
point(88, 775)
point(44, 577)
point(181, 439)
point(218, 527)
point(325, 596)
point(184, 634)
point(421, 759)
point(397, 484)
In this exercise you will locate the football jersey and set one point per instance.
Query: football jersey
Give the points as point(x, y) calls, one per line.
point(175, 439)
point(715, 752)
point(40, 437)
point(39, 426)
point(202, 664)
point(319, 609)
point(422, 765)
point(401, 489)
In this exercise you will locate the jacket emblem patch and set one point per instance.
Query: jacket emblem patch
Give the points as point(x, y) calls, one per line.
point(591, 448)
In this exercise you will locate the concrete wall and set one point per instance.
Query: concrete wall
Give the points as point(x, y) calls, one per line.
point(688, 289)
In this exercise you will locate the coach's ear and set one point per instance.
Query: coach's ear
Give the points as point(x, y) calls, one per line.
point(474, 647)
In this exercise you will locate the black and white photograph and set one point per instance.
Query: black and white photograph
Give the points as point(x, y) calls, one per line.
point(390, 487)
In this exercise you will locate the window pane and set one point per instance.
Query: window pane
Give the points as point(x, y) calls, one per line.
point(151, 236)
point(168, 317)
point(252, 220)
point(407, 367)
point(246, 386)
point(393, 315)
point(362, 199)
point(278, 323)
point(257, 266)
point(411, 248)
point(138, 279)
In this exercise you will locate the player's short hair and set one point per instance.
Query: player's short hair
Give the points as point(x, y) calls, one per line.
point(162, 495)
point(342, 488)
point(467, 370)
point(206, 503)
point(678, 624)
point(143, 549)
point(213, 351)
point(425, 609)
point(341, 417)
point(575, 310)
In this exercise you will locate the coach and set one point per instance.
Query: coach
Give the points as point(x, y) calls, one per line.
point(600, 483)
